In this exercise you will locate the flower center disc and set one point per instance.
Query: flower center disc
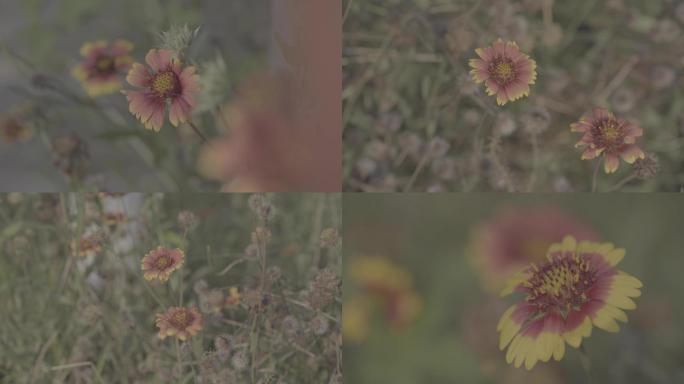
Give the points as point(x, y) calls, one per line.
point(609, 131)
point(560, 285)
point(104, 64)
point(181, 319)
point(502, 70)
point(163, 261)
point(165, 84)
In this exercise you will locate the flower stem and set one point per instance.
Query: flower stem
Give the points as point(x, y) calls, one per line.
point(593, 179)
point(622, 182)
point(586, 364)
point(198, 132)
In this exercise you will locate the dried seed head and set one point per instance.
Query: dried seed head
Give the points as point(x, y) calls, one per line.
point(240, 360)
point(536, 120)
point(389, 123)
point(319, 325)
point(623, 100)
point(261, 235)
point(329, 238)
point(223, 349)
point(662, 76)
point(200, 286)
point(187, 220)
point(647, 168)
point(251, 251)
point(438, 147)
point(366, 167)
point(377, 150)
point(290, 326)
point(505, 124)
point(472, 117)
point(444, 168)
point(323, 289)
point(411, 144)
point(262, 207)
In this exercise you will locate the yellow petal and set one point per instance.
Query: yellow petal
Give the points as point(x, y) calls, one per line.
point(547, 345)
point(619, 300)
point(623, 278)
point(514, 282)
point(559, 351)
point(574, 337)
point(512, 349)
point(532, 357)
point(524, 348)
point(604, 321)
point(614, 256)
point(505, 316)
point(626, 291)
point(615, 313)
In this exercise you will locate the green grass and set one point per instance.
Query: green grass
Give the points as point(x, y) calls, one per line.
point(406, 83)
point(91, 319)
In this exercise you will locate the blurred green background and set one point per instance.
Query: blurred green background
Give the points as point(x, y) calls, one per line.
point(453, 337)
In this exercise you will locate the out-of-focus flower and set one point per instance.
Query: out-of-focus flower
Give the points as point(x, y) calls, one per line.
point(71, 155)
point(506, 72)
point(390, 286)
point(356, 319)
point(604, 134)
point(516, 237)
point(182, 322)
point(233, 298)
point(15, 125)
point(164, 82)
point(87, 246)
point(161, 262)
point(271, 144)
point(112, 219)
point(578, 287)
point(102, 63)
point(211, 301)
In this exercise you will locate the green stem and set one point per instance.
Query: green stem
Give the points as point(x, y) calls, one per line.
point(593, 179)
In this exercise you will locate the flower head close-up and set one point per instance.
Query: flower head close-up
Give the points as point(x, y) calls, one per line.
point(101, 66)
point(576, 288)
point(164, 82)
point(506, 72)
point(182, 322)
point(161, 262)
point(604, 134)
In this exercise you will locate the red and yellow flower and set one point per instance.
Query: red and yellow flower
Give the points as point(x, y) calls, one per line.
point(161, 262)
point(506, 72)
point(102, 63)
point(182, 322)
point(577, 288)
point(604, 134)
point(164, 82)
